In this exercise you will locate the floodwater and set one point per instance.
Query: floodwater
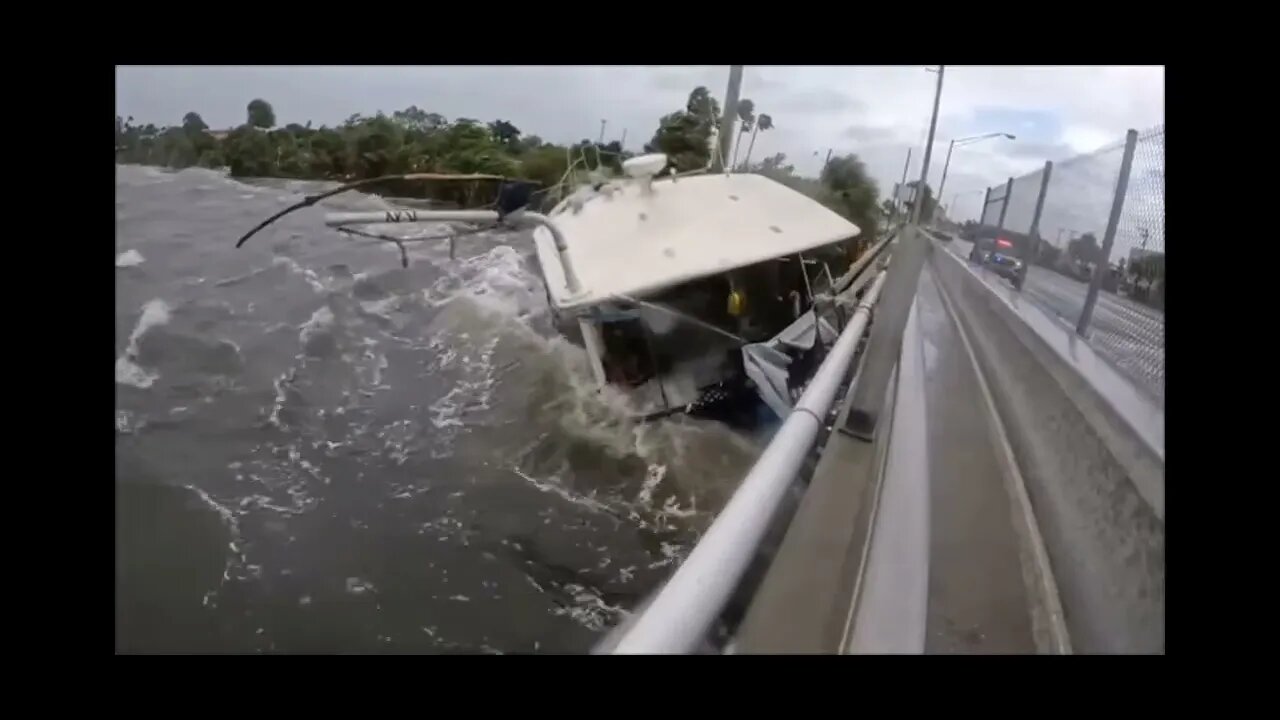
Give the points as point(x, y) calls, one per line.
point(320, 451)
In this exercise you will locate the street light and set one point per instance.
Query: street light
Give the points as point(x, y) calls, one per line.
point(966, 141)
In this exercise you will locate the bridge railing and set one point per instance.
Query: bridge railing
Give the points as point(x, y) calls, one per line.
point(679, 617)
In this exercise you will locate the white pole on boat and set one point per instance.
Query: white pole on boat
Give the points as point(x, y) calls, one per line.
point(730, 116)
point(471, 216)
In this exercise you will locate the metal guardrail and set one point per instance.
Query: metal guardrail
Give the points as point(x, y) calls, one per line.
point(679, 617)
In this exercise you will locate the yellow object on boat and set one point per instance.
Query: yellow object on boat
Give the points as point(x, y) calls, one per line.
point(737, 303)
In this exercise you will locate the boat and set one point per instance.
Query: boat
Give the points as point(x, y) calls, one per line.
point(694, 293)
point(706, 293)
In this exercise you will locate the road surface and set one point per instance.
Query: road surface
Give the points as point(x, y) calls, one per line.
point(1129, 334)
point(978, 599)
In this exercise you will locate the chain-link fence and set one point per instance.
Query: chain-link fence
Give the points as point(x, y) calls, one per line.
point(1096, 265)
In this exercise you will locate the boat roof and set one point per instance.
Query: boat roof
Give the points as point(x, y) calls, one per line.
point(628, 240)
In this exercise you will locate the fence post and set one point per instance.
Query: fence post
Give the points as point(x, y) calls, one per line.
point(1108, 239)
point(1004, 206)
point(1033, 244)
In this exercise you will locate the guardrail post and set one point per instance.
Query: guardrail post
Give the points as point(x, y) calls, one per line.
point(1033, 243)
point(886, 332)
point(1103, 264)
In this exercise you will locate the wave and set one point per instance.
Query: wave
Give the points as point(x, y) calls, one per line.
point(128, 372)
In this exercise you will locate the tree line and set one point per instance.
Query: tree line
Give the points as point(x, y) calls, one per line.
point(414, 140)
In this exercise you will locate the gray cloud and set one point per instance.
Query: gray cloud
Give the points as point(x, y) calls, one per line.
point(869, 135)
point(1039, 150)
point(821, 101)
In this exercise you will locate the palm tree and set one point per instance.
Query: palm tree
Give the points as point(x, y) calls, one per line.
point(764, 122)
point(747, 113)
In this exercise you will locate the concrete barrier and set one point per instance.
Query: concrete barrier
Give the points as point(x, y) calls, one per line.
point(1091, 450)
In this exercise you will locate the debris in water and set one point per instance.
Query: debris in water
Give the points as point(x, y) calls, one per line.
point(356, 586)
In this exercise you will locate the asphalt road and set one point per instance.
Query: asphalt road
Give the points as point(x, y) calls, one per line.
point(1129, 334)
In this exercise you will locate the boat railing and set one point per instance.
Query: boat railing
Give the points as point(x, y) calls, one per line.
point(678, 618)
point(523, 217)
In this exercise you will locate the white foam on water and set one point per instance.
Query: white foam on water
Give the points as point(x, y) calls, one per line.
point(322, 319)
point(555, 488)
point(382, 308)
point(279, 384)
point(154, 313)
point(129, 258)
point(653, 476)
point(236, 546)
point(590, 609)
point(312, 278)
point(357, 586)
point(128, 372)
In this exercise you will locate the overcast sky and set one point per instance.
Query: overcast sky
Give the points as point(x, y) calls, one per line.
point(876, 112)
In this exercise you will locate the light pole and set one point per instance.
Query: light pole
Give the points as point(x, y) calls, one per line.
point(928, 149)
point(966, 141)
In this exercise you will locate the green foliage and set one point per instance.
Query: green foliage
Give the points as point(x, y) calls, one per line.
point(1048, 254)
point(1083, 248)
point(414, 140)
point(683, 135)
point(260, 114)
point(505, 133)
point(193, 123)
point(747, 114)
point(844, 187)
point(926, 212)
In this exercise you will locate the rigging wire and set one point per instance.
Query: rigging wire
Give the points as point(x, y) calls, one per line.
point(310, 200)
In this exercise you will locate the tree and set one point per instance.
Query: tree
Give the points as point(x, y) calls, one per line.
point(260, 114)
point(927, 202)
point(764, 122)
point(1083, 248)
point(505, 133)
point(773, 165)
point(193, 123)
point(747, 114)
point(1047, 254)
point(684, 135)
point(250, 153)
point(847, 177)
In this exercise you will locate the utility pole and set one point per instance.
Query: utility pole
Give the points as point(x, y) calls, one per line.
point(826, 162)
point(946, 166)
point(602, 124)
point(902, 186)
point(729, 117)
point(898, 293)
point(928, 148)
point(622, 145)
